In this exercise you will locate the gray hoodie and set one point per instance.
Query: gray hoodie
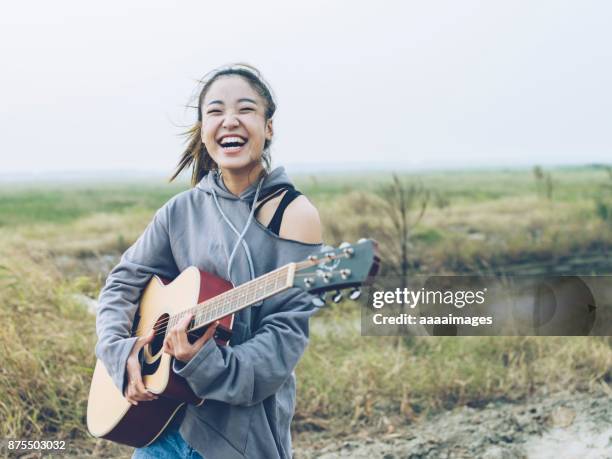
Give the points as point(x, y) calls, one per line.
point(249, 386)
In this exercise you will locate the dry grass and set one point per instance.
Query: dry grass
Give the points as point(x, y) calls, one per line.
point(345, 381)
point(470, 237)
point(350, 380)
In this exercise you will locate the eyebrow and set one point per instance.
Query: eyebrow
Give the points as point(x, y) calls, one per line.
point(244, 99)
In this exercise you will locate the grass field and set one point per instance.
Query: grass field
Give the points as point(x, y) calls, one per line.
point(56, 242)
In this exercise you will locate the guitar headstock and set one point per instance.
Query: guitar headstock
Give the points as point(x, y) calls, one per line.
point(347, 267)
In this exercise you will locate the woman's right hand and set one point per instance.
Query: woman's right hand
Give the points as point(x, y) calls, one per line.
point(135, 391)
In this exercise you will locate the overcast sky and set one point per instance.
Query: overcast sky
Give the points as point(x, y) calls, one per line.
point(103, 85)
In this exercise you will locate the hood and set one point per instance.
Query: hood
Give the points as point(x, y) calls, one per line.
point(212, 180)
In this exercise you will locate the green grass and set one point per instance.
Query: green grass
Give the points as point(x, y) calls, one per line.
point(24, 204)
point(64, 204)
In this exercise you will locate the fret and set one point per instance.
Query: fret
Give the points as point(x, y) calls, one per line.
point(217, 310)
point(233, 300)
point(216, 307)
point(271, 283)
point(223, 302)
point(201, 314)
point(223, 305)
point(220, 309)
point(236, 299)
point(279, 280)
point(208, 316)
point(205, 316)
point(212, 304)
point(229, 306)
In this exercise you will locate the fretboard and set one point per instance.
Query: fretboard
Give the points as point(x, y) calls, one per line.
point(238, 298)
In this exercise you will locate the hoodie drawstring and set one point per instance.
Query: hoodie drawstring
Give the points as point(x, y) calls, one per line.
point(239, 234)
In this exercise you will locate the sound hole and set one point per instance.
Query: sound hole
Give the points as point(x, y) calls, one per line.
point(160, 333)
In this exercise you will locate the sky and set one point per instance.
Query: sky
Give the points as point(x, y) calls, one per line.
point(104, 86)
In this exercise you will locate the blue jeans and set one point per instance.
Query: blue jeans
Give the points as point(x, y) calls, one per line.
point(169, 445)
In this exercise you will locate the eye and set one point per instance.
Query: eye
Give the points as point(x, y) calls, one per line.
point(213, 111)
point(247, 109)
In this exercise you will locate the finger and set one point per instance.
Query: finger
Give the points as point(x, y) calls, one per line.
point(140, 393)
point(129, 394)
point(139, 386)
point(168, 347)
point(183, 324)
point(150, 336)
point(144, 393)
point(146, 339)
point(138, 389)
point(133, 393)
point(146, 397)
point(178, 335)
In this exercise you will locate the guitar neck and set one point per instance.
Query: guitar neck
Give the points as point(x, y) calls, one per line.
point(238, 298)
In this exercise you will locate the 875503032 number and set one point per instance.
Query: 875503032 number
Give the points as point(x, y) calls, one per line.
point(33, 445)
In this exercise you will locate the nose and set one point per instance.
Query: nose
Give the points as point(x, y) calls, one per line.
point(230, 121)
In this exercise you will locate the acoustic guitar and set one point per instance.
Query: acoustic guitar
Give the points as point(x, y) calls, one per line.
point(208, 298)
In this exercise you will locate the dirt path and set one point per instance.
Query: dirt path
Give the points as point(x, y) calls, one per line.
point(558, 426)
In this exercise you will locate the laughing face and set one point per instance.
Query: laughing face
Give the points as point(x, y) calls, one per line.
point(234, 126)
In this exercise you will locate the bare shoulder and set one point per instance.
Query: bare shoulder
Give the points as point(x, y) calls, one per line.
point(301, 222)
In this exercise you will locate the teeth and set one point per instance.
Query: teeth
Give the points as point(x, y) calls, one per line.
point(225, 140)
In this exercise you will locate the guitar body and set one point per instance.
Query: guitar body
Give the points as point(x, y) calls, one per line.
point(109, 414)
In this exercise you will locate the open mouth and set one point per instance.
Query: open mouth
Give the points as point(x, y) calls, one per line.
point(232, 144)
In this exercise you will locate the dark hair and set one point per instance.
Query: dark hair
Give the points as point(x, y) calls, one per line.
point(195, 154)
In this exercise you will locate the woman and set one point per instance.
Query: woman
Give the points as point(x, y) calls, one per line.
point(238, 221)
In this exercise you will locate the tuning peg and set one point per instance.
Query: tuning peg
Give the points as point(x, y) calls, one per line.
point(337, 298)
point(355, 293)
point(318, 301)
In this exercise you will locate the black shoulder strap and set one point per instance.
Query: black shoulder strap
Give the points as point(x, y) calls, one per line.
point(271, 193)
point(277, 218)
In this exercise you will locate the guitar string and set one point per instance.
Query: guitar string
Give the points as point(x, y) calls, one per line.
point(161, 327)
point(216, 298)
point(298, 266)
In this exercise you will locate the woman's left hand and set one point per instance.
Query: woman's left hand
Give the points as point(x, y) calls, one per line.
point(177, 344)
